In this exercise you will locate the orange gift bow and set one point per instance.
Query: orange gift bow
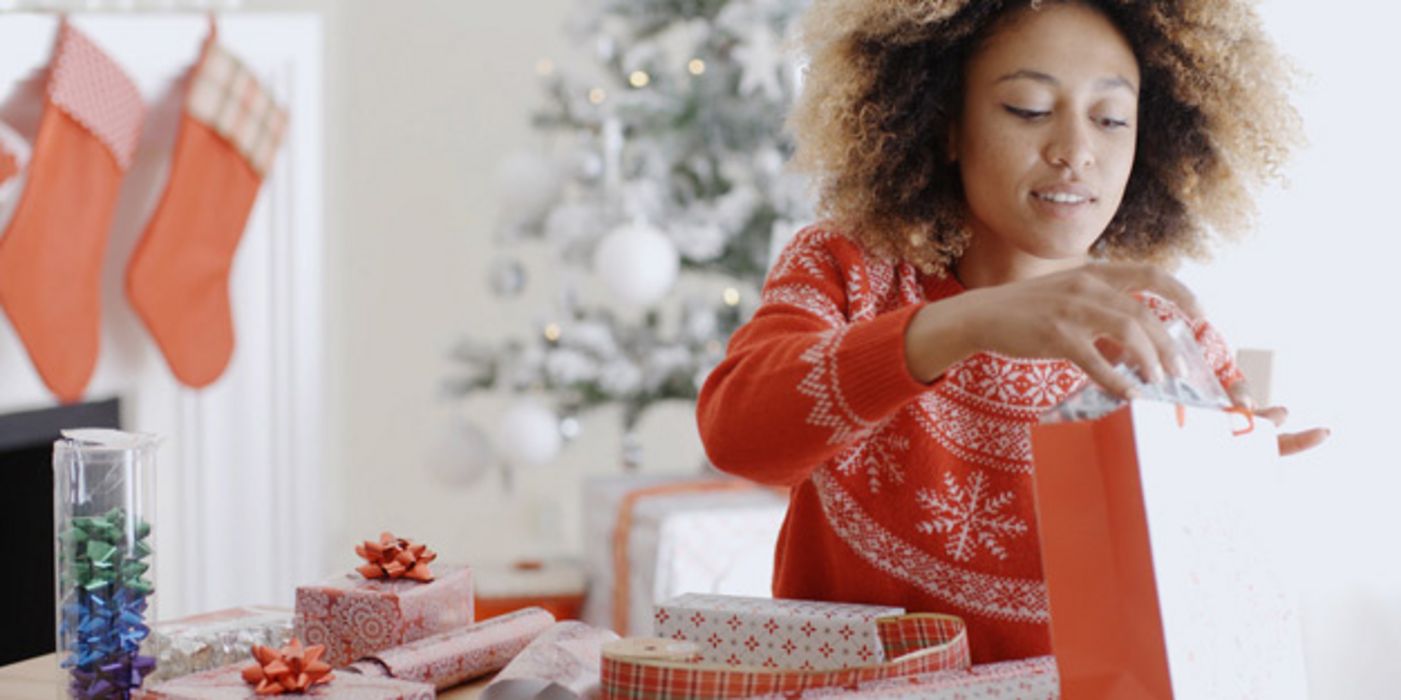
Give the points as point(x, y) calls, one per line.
point(395, 557)
point(290, 669)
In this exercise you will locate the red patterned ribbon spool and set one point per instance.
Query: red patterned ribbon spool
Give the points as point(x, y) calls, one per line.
point(638, 669)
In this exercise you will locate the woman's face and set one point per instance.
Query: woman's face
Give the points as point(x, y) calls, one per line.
point(1046, 139)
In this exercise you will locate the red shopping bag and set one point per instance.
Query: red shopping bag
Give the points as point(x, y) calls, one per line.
point(1159, 527)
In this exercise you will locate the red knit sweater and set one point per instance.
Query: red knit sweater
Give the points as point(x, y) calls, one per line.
point(903, 493)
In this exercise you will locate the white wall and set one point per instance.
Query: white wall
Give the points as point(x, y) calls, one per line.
point(1317, 283)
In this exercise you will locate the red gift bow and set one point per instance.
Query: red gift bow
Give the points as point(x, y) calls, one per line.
point(290, 669)
point(395, 557)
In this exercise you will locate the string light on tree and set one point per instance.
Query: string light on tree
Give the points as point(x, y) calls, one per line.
point(639, 79)
point(696, 66)
point(597, 96)
point(731, 296)
point(544, 67)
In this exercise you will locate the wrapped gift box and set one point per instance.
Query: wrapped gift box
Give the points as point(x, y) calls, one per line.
point(203, 642)
point(355, 617)
point(710, 535)
point(797, 634)
point(227, 683)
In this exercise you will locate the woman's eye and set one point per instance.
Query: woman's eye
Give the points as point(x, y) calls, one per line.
point(1112, 123)
point(1025, 113)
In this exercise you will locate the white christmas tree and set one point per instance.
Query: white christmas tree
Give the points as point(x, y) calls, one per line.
point(671, 163)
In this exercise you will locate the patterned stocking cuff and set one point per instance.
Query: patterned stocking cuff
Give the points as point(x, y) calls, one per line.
point(229, 98)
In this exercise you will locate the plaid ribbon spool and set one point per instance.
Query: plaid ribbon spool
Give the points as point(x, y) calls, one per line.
point(656, 669)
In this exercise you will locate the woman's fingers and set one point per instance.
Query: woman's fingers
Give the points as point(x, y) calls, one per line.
point(1294, 443)
point(1131, 277)
point(1134, 331)
point(1086, 356)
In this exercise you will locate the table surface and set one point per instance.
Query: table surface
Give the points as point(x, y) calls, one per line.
point(38, 679)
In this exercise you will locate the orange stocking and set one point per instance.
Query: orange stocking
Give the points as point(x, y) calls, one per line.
point(179, 275)
point(51, 254)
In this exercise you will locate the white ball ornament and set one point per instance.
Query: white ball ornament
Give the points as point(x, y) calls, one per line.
point(529, 433)
point(637, 263)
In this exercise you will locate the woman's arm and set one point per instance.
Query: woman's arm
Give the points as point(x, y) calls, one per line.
point(802, 380)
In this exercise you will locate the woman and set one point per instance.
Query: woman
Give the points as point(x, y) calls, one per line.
point(1002, 182)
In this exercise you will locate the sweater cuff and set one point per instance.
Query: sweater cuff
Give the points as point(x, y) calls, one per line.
point(874, 376)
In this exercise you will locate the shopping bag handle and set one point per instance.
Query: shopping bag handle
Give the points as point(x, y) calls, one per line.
point(1239, 410)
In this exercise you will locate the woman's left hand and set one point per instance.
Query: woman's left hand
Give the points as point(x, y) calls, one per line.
point(1289, 443)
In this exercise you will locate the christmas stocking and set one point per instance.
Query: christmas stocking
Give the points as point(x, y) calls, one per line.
point(51, 253)
point(14, 157)
point(178, 278)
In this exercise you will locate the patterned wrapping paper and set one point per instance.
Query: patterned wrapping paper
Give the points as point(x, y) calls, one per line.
point(227, 683)
point(453, 657)
point(665, 669)
point(1024, 679)
point(707, 536)
point(203, 642)
point(775, 633)
point(564, 661)
point(355, 617)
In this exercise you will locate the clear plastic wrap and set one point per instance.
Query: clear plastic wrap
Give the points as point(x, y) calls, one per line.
point(208, 641)
point(1199, 387)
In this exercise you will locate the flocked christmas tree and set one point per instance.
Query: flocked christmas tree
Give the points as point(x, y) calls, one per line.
point(666, 160)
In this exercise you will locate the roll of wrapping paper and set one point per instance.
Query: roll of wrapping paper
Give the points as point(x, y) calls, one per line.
point(657, 668)
point(452, 657)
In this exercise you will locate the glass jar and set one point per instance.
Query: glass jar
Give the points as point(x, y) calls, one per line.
point(104, 503)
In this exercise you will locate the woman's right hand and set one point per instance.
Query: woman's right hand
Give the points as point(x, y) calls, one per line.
point(1086, 315)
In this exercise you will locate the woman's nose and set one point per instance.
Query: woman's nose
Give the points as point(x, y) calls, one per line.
point(1070, 146)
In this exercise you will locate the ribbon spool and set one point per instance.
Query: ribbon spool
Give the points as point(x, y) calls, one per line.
point(642, 668)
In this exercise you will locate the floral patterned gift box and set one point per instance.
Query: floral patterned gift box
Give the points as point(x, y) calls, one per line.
point(357, 614)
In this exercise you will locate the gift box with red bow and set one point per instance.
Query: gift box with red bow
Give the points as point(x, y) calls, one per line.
point(392, 599)
point(293, 670)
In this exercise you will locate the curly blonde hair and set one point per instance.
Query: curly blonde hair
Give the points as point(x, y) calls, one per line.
point(885, 82)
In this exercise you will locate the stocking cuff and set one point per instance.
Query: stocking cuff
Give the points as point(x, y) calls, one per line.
point(92, 89)
point(229, 98)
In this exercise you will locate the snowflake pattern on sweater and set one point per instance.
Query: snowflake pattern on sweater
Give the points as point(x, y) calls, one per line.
point(903, 493)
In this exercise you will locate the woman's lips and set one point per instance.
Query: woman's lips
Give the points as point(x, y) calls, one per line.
point(1062, 202)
